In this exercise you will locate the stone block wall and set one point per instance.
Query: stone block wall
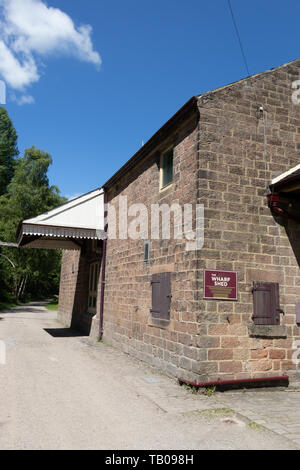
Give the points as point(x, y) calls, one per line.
point(237, 165)
point(225, 159)
point(128, 294)
point(74, 287)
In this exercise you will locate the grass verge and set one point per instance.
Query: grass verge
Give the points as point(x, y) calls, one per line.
point(52, 305)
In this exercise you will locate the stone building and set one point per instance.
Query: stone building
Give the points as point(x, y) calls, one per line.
point(229, 310)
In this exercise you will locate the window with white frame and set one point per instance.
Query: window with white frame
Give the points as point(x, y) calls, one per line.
point(166, 169)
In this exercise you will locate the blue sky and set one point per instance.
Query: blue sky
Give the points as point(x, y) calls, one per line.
point(155, 56)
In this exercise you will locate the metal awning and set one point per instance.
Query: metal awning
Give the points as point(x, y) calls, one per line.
point(66, 226)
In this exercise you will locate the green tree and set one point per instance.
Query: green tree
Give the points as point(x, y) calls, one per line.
point(8, 150)
point(36, 272)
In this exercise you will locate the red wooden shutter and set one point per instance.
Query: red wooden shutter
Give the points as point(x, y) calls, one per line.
point(266, 303)
point(165, 296)
point(161, 296)
point(155, 296)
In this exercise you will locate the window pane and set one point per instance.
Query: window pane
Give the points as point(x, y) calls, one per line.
point(167, 168)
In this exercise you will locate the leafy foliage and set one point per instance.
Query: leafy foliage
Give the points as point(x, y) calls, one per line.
point(8, 150)
point(31, 273)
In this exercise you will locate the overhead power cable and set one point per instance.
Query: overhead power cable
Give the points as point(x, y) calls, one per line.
point(239, 37)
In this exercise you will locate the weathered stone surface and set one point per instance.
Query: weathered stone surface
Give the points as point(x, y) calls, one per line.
point(267, 331)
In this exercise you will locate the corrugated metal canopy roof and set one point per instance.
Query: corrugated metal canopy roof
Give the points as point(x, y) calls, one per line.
point(64, 227)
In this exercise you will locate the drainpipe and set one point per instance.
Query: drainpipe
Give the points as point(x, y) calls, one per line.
point(103, 271)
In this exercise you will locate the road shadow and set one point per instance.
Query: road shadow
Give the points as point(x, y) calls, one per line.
point(64, 332)
point(24, 310)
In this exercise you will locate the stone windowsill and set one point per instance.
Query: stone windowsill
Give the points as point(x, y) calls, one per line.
point(267, 331)
point(158, 323)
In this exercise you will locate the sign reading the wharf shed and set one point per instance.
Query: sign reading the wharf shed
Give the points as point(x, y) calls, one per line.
point(220, 285)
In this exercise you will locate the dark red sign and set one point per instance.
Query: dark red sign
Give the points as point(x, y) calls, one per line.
point(220, 285)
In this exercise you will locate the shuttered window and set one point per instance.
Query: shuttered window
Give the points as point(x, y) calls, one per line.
point(161, 296)
point(266, 303)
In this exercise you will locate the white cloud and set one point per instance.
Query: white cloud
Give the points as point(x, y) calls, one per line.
point(23, 99)
point(16, 73)
point(30, 29)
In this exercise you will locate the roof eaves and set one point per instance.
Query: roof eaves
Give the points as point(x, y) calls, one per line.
point(155, 140)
